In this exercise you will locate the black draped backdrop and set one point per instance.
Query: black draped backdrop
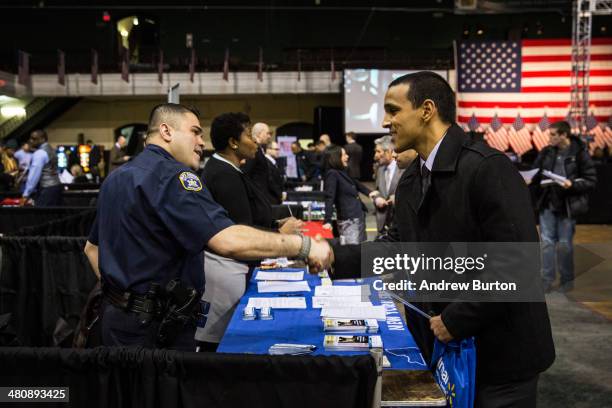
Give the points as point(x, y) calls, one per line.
point(134, 377)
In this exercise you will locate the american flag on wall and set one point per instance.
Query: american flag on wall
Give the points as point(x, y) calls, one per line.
point(530, 77)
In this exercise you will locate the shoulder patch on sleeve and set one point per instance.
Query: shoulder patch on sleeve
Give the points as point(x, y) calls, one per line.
point(190, 181)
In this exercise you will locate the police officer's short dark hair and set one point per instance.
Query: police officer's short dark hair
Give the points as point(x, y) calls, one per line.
point(165, 112)
point(227, 125)
point(429, 85)
point(562, 127)
point(333, 158)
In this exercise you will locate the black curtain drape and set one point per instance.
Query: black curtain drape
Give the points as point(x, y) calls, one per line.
point(77, 225)
point(13, 219)
point(44, 284)
point(135, 377)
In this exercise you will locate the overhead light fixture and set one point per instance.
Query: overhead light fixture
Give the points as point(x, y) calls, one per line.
point(12, 111)
point(135, 21)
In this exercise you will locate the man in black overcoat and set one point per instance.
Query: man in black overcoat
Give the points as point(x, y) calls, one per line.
point(459, 190)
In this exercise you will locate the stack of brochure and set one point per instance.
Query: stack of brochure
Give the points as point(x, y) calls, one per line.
point(350, 325)
point(351, 343)
point(293, 349)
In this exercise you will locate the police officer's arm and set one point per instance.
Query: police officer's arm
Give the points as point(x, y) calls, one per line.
point(247, 243)
point(196, 220)
point(91, 248)
point(91, 251)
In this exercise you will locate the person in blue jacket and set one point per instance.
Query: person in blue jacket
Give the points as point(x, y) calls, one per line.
point(155, 217)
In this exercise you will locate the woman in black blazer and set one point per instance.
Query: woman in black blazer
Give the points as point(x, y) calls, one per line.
point(233, 190)
point(342, 191)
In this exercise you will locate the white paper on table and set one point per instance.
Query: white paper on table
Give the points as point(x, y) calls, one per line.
point(529, 174)
point(279, 276)
point(280, 302)
point(339, 291)
point(355, 312)
point(280, 286)
point(326, 301)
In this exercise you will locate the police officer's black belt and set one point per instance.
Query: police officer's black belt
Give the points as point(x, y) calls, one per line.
point(130, 301)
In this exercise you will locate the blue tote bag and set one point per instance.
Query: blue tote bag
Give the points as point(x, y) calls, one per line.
point(454, 365)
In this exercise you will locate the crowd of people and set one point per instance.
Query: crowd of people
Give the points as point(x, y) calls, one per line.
point(206, 229)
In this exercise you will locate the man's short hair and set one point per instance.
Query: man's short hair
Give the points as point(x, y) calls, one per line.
point(167, 112)
point(226, 126)
point(385, 143)
point(40, 133)
point(258, 128)
point(350, 134)
point(429, 85)
point(562, 127)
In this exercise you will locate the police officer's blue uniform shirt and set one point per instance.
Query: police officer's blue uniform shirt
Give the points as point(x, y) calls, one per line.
point(154, 218)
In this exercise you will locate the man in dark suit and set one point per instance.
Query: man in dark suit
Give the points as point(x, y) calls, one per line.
point(355, 153)
point(257, 169)
point(276, 179)
point(459, 190)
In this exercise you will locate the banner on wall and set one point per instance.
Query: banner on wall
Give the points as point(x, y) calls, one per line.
point(284, 144)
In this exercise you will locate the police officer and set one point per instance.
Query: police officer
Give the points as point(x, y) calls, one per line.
point(154, 219)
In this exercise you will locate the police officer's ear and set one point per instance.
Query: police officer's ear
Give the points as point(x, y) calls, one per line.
point(233, 143)
point(166, 132)
point(428, 110)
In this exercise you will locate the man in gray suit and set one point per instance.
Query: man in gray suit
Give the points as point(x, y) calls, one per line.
point(387, 178)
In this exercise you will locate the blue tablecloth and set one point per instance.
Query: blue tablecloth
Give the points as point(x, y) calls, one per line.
point(304, 326)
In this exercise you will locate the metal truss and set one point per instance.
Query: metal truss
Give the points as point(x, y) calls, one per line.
point(583, 11)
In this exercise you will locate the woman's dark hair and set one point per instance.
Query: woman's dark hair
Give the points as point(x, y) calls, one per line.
point(226, 126)
point(333, 158)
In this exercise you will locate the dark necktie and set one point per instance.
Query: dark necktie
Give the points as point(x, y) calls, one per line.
point(425, 180)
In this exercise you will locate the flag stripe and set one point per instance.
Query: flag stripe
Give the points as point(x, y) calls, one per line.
point(560, 50)
point(554, 58)
point(528, 104)
point(564, 73)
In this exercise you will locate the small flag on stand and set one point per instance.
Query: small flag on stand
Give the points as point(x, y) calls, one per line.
point(61, 67)
point(226, 65)
point(541, 133)
point(23, 64)
point(94, 67)
point(160, 67)
point(192, 64)
point(496, 135)
point(519, 137)
point(260, 66)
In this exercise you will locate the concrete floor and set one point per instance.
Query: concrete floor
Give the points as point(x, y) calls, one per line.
point(581, 375)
